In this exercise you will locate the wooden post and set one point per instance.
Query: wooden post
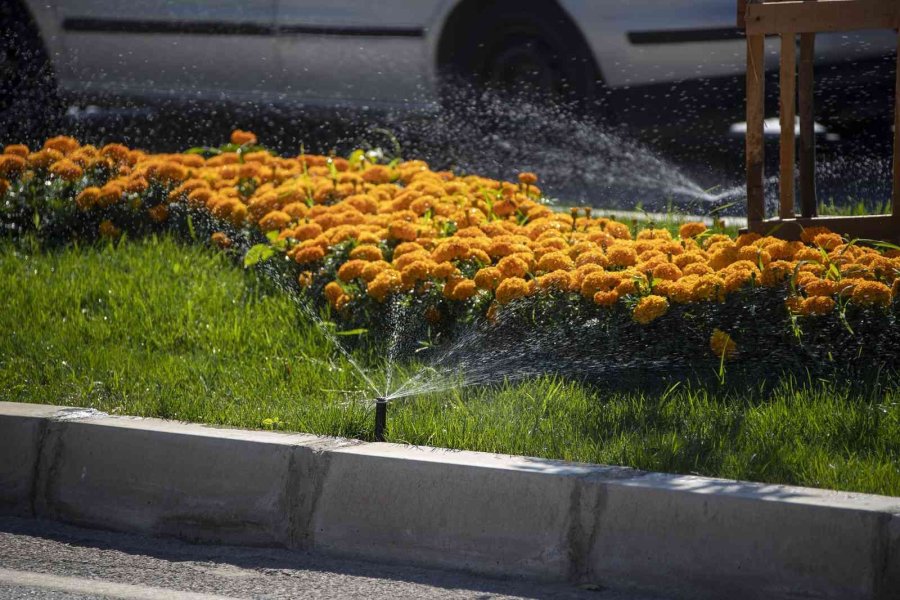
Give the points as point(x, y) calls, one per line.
point(808, 203)
point(754, 140)
point(895, 199)
point(787, 110)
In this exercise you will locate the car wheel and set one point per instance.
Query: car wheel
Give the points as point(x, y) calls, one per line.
point(29, 105)
point(527, 50)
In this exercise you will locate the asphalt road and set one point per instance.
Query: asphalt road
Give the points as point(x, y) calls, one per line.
point(43, 559)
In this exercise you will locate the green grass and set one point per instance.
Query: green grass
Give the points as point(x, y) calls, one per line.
point(155, 328)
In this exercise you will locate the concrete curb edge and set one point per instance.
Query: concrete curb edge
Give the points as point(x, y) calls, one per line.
point(689, 536)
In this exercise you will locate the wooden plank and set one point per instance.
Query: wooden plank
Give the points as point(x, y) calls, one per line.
point(741, 11)
point(808, 207)
point(754, 140)
point(871, 227)
point(787, 84)
point(895, 200)
point(824, 15)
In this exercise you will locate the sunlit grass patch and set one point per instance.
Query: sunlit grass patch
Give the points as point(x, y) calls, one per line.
point(157, 328)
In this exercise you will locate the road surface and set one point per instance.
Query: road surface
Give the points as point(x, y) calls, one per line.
point(43, 559)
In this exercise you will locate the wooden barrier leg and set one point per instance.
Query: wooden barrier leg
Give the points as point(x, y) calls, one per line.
point(895, 199)
point(754, 140)
point(808, 204)
point(787, 83)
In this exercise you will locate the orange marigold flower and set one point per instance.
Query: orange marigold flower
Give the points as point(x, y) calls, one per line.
point(708, 287)
point(401, 230)
point(17, 150)
point(220, 239)
point(556, 280)
point(650, 308)
point(450, 250)
point(809, 234)
point(488, 278)
point(592, 257)
point(828, 241)
point(66, 170)
point(527, 178)
point(368, 252)
point(309, 254)
point(599, 281)
point(512, 266)
point(44, 158)
point(169, 172)
point(691, 230)
point(333, 291)
point(445, 270)
point(307, 231)
point(553, 261)
point(816, 305)
point(697, 268)
point(4, 187)
point(158, 213)
point(241, 137)
point(621, 255)
point(116, 153)
point(606, 298)
point(377, 174)
point(871, 293)
point(384, 284)
point(274, 221)
point(722, 345)
point(459, 289)
point(11, 165)
point(723, 256)
point(654, 234)
point(87, 198)
point(819, 287)
point(511, 289)
point(110, 194)
point(373, 268)
point(406, 248)
point(776, 272)
point(667, 271)
point(305, 278)
point(351, 269)
point(108, 230)
point(62, 143)
point(738, 278)
point(416, 271)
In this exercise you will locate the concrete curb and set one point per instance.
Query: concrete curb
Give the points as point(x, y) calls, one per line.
point(687, 536)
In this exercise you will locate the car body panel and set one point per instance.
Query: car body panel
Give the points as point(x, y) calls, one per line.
point(358, 53)
point(106, 51)
point(380, 55)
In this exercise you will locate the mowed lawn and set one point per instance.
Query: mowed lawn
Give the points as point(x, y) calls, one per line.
point(158, 328)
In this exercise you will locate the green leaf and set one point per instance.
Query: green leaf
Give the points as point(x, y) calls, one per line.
point(357, 157)
point(190, 226)
point(360, 331)
point(257, 254)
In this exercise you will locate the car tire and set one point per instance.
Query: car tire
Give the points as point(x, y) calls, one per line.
point(29, 104)
point(527, 50)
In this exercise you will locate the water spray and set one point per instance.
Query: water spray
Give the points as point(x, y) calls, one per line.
point(380, 418)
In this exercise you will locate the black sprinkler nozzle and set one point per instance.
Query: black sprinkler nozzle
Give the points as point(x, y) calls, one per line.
point(380, 418)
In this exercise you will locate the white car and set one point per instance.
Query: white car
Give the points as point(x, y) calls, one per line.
point(647, 57)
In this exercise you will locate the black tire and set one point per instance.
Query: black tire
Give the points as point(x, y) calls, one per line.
point(529, 50)
point(29, 104)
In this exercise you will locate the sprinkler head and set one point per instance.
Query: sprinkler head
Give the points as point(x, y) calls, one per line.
point(380, 418)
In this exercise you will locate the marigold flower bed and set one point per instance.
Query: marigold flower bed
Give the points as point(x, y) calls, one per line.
point(359, 233)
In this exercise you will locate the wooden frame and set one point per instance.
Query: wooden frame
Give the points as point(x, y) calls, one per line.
point(791, 19)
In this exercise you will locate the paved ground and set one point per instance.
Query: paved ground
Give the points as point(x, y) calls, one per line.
point(41, 559)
